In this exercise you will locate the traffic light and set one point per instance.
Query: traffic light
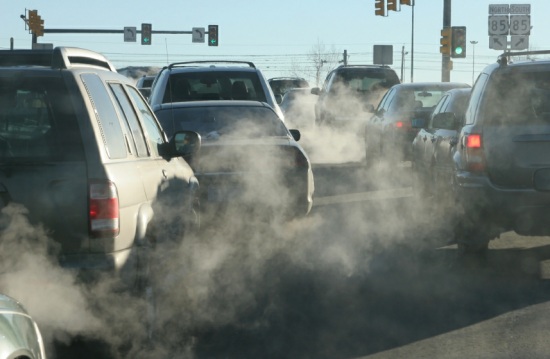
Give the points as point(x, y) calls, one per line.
point(458, 37)
point(36, 24)
point(39, 28)
point(380, 7)
point(146, 32)
point(392, 5)
point(445, 41)
point(212, 35)
point(406, 2)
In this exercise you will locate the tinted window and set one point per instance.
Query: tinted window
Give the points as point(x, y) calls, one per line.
point(214, 85)
point(37, 120)
point(518, 97)
point(212, 121)
point(154, 134)
point(132, 121)
point(106, 115)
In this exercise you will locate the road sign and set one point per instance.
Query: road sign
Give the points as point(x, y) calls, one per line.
point(130, 34)
point(524, 9)
point(520, 24)
point(498, 42)
point(198, 34)
point(382, 54)
point(519, 42)
point(499, 25)
point(499, 9)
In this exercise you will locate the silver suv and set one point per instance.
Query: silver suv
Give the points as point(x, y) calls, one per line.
point(212, 80)
point(502, 154)
point(82, 152)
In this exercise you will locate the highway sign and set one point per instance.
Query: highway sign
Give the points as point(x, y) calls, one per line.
point(198, 34)
point(524, 9)
point(499, 25)
point(519, 42)
point(130, 34)
point(499, 9)
point(520, 24)
point(498, 42)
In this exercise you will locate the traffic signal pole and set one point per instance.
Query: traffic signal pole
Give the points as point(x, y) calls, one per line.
point(446, 57)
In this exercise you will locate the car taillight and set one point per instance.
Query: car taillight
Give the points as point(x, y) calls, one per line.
point(474, 152)
point(103, 209)
point(403, 125)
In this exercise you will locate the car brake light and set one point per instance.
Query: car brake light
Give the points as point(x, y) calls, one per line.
point(474, 152)
point(403, 125)
point(103, 209)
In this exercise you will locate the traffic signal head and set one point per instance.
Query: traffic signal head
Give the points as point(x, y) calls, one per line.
point(445, 41)
point(392, 5)
point(36, 24)
point(146, 32)
point(212, 35)
point(380, 7)
point(458, 43)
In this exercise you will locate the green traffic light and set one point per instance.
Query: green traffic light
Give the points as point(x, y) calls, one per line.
point(458, 50)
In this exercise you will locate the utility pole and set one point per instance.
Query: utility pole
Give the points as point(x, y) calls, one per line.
point(446, 58)
point(345, 61)
point(403, 53)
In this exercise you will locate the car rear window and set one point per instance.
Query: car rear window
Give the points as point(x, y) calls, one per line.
point(518, 97)
point(215, 121)
point(214, 85)
point(367, 79)
point(37, 120)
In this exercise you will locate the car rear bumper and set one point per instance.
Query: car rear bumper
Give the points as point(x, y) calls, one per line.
point(526, 210)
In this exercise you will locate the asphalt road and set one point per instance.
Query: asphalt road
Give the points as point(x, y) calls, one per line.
point(366, 275)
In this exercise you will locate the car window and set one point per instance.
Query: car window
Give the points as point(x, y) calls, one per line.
point(441, 105)
point(213, 121)
point(37, 121)
point(153, 132)
point(214, 85)
point(518, 97)
point(475, 97)
point(106, 115)
point(132, 122)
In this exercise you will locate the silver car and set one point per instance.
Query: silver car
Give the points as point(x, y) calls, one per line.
point(19, 333)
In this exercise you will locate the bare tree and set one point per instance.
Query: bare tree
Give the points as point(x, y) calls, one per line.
point(322, 59)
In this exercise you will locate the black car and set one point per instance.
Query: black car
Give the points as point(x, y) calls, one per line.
point(281, 85)
point(349, 90)
point(389, 132)
point(248, 160)
point(432, 161)
point(501, 177)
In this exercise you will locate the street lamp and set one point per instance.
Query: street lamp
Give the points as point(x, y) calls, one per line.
point(473, 58)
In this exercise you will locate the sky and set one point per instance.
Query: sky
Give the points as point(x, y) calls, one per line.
point(277, 35)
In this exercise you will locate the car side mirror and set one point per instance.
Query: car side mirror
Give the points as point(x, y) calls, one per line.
point(295, 134)
point(278, 99)
point(184, 144)
point(369, 107)
point(315, 91)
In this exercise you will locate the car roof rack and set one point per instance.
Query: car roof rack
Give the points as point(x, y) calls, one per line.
point(189, 63)
point(57, 58)
point(503, 59)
